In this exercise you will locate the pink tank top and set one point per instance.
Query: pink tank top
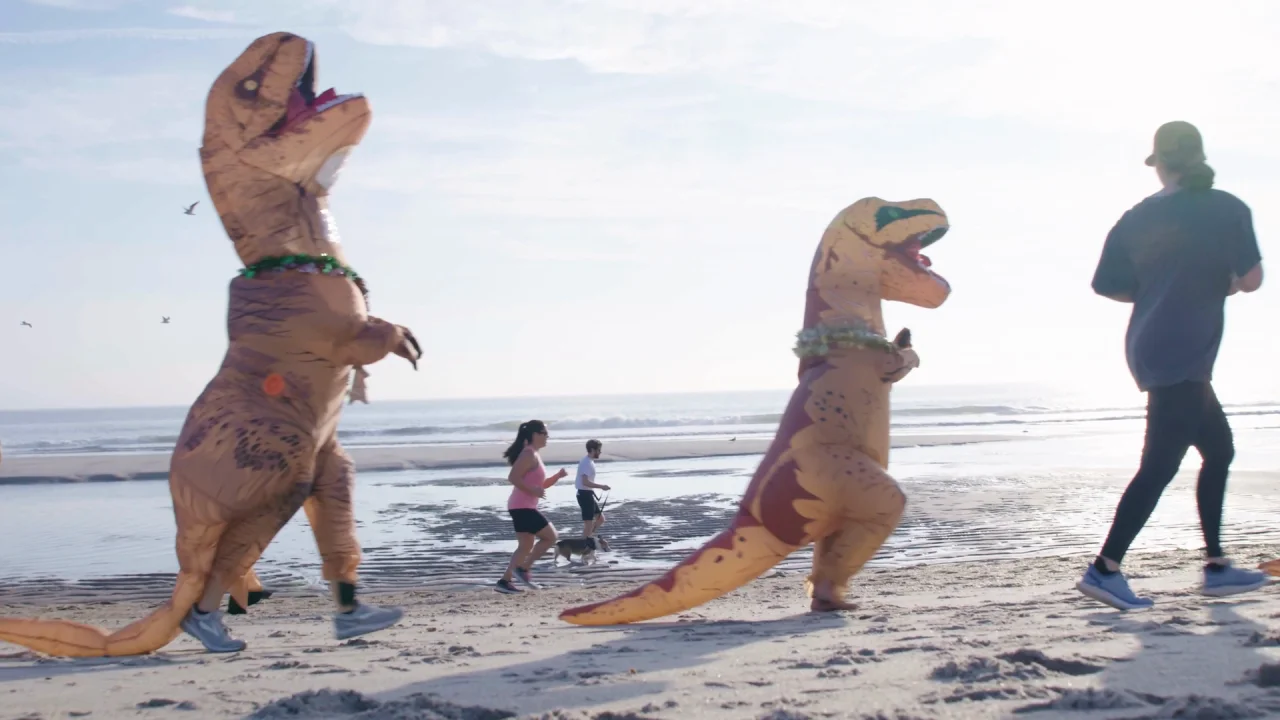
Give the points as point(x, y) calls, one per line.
point(521, 500)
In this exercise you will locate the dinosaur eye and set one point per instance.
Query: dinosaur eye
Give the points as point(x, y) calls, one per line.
point(889, 214)
point(247, 89)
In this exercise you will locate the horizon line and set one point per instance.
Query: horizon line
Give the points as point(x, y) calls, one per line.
point(537, 396)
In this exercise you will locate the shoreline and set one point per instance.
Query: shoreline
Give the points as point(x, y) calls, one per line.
point(61, 469)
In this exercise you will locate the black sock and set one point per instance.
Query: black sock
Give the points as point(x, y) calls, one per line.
point(1216, 567)
point(1101, 566)
point(198, 611)
point(347, 596)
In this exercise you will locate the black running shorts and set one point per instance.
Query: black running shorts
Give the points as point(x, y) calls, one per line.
point(528, 521)
point(587, 501)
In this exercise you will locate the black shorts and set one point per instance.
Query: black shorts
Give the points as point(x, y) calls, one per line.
point(528, 521)
point(587, 501)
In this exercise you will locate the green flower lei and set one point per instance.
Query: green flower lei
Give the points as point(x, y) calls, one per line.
point(322, 264)
point(819, 340)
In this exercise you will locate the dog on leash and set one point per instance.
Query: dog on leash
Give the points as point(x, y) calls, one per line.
point(584, 548)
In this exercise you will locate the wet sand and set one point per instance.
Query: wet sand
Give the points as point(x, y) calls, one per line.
point(33, 469)
point(974, 640)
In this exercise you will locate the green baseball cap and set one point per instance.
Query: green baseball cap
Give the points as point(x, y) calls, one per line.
point(1177, 144)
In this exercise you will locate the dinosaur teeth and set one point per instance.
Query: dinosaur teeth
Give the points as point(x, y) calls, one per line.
point(335, 101)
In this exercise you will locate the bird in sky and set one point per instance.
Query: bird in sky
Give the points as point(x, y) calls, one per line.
point(24, 322)
point(164, 320)
point(191, 209)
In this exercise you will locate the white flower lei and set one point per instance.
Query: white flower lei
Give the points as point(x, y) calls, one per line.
point(820, 339)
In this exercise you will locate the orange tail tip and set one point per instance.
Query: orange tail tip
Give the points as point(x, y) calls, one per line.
point(61, 638)
point(1270, 567)
point(738, 555)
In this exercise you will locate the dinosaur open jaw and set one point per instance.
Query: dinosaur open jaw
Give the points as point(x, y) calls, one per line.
point(908, 251)
point(303, 103)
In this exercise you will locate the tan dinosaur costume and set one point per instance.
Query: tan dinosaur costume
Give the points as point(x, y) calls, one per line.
point(823, 479)
point(261, 440)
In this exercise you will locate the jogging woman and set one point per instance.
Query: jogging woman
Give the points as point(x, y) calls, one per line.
point(529, 479)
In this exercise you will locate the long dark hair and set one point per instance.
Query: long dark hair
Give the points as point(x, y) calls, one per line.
point(523, 436)
point(1196, 176)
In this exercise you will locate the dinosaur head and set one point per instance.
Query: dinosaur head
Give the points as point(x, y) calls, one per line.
point(265, 109)
point(894, 234)
point(273, 147)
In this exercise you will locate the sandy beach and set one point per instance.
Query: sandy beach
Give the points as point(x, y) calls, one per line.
point(969, 611)
point(972, 640)
point(34, 469)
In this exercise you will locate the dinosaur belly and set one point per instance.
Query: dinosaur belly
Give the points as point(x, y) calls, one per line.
point(848, 404)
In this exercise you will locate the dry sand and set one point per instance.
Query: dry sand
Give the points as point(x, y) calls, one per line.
point(978, 640)
point(29, 469)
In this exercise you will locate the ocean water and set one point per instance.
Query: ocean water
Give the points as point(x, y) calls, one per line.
point(1051, 491)
point(916, 409)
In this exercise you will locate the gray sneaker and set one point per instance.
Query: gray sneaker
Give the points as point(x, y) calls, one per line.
point(1112, 589)
point(209, 630)
point(1229, 580)
point(365, 619)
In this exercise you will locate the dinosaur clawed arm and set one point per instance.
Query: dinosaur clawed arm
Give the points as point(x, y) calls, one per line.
point(376, 338)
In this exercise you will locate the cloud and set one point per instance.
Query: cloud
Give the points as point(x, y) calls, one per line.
point(96, 5)
point(72, 111)
point(75, 124)
point(48, 37)
point(195, 13)
point(1065, 69)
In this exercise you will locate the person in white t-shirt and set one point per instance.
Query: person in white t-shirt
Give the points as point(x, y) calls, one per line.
point(592, 516)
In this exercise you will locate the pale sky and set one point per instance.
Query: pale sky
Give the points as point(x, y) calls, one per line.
point(616, 196)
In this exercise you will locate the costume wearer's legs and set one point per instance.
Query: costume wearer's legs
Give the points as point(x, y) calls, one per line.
point(331, 512)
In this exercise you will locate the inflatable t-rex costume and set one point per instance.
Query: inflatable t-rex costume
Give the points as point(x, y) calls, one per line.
point(261, 440)
point(823, 479)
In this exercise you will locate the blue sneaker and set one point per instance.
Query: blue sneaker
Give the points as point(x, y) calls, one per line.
point(1231, 581)
point(1111, 589)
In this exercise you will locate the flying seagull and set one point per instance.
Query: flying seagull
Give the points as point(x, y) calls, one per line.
point(164, 320)
point(24, 322)
point(191, 209)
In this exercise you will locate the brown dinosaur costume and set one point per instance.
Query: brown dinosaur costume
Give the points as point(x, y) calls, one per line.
point(261, 440)
point(823, 479)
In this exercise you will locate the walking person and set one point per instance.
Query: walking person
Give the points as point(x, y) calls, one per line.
point(1177, 256)
point(529, 481)
point(592, 514)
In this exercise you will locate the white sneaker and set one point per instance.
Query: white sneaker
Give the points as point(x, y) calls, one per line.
point(364, 619)
point(209, 630)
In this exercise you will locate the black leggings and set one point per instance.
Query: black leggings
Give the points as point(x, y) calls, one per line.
point(1178, 417)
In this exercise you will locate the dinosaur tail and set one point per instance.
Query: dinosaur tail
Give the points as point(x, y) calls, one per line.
point(738, 555)
point(63, 638)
